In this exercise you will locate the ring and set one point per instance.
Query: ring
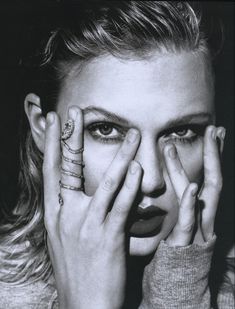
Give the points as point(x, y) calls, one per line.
point(68, 129)
point(64, 186)
point(69, 173)
point(74, 151)
point(77, 162)
point(61, 201)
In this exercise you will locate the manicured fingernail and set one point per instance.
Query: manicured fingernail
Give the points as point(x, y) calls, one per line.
point(73, 111)
point(132, 135)
point(172, 152)
point(50, 118)
point(133, 167)
point(222, 134)
point(194, 190)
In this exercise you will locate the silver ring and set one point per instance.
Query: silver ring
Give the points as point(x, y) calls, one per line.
point(68, 187)
point(77, 162)
point(73, 151)
point(61, 201)
point(68, 129)
point(69, 173)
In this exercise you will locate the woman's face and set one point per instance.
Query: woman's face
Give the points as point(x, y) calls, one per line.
point(169, 99)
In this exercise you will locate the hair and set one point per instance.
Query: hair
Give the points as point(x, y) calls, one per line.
point(79, 33)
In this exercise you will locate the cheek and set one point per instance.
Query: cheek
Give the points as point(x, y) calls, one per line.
point(192, 161)
point(97, 158)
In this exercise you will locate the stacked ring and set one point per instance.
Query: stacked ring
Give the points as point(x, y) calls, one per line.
point(69, 173)
point(76, 162)
point(66, 134)
point(68, 187)
point(73, 151)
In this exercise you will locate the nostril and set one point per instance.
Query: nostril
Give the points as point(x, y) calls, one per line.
point(153, 184)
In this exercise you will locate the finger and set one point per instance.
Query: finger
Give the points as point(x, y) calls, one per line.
point(113, 177)
point(71, 167)
point(212, 186)
point(124, 201)
point(176, 171)
point(183, 230)
point(51, 165)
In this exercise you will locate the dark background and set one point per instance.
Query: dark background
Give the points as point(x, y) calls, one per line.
point(15, 20)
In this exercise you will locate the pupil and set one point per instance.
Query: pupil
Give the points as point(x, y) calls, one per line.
point(106, 130)
point(182, 132)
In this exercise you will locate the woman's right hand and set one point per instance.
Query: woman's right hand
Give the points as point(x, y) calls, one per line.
point(86, 240)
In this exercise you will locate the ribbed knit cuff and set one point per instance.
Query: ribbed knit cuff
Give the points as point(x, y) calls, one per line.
point(177, 277)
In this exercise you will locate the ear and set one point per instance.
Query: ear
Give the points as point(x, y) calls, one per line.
point(33, 110)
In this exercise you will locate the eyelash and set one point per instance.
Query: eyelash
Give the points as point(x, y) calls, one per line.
point(196, 132)
point(98, 126)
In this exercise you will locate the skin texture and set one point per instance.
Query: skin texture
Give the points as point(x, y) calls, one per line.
point(155, 161)
point(148, 94)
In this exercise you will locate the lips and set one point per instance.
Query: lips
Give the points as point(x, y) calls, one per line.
point(147, 221)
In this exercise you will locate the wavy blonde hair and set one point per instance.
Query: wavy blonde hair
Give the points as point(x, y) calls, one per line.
point(81, 32)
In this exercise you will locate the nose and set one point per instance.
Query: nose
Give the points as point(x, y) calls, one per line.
point(151, 160)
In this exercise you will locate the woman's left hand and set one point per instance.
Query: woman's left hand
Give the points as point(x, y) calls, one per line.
point(196, 210)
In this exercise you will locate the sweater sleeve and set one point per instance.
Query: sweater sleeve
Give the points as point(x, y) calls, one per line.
point(36, 295)
point(177, 277)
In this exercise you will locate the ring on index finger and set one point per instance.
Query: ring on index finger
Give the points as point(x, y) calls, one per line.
point(73, 151)
point(72, 163)
point(68, 129)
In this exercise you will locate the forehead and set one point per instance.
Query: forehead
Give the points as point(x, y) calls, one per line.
point(167, 85)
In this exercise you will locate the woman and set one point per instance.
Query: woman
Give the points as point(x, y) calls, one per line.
point(121, 160)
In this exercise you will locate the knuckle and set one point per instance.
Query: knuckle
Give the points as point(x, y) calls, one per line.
point(129, 185)
point(119, 209)
point(123, 154)
point(208, 155)
point(187, 228)
point(109, 183)
point(216, 184)
point(181, 171)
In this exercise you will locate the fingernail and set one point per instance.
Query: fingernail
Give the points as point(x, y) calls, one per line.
point(132, 136)
point(222, 134)
point(194, 190)
point(133, 167)
point(50, 118)
point(172, 152)
point(73, 112)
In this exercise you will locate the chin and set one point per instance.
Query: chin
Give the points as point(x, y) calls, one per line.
point(144, 246)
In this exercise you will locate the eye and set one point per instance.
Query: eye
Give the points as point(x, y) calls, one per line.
point(183, 132)
point(107, 132)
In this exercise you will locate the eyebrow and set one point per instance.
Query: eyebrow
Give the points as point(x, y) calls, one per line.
point(190, 118)
point(182, 120)
point(107, 114)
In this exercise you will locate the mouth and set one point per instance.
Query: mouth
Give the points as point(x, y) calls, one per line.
point(147, 222)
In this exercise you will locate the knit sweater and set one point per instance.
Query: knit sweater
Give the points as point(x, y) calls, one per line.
point(177, 277)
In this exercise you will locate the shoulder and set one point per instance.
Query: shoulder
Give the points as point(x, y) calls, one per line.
point(35, 295)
